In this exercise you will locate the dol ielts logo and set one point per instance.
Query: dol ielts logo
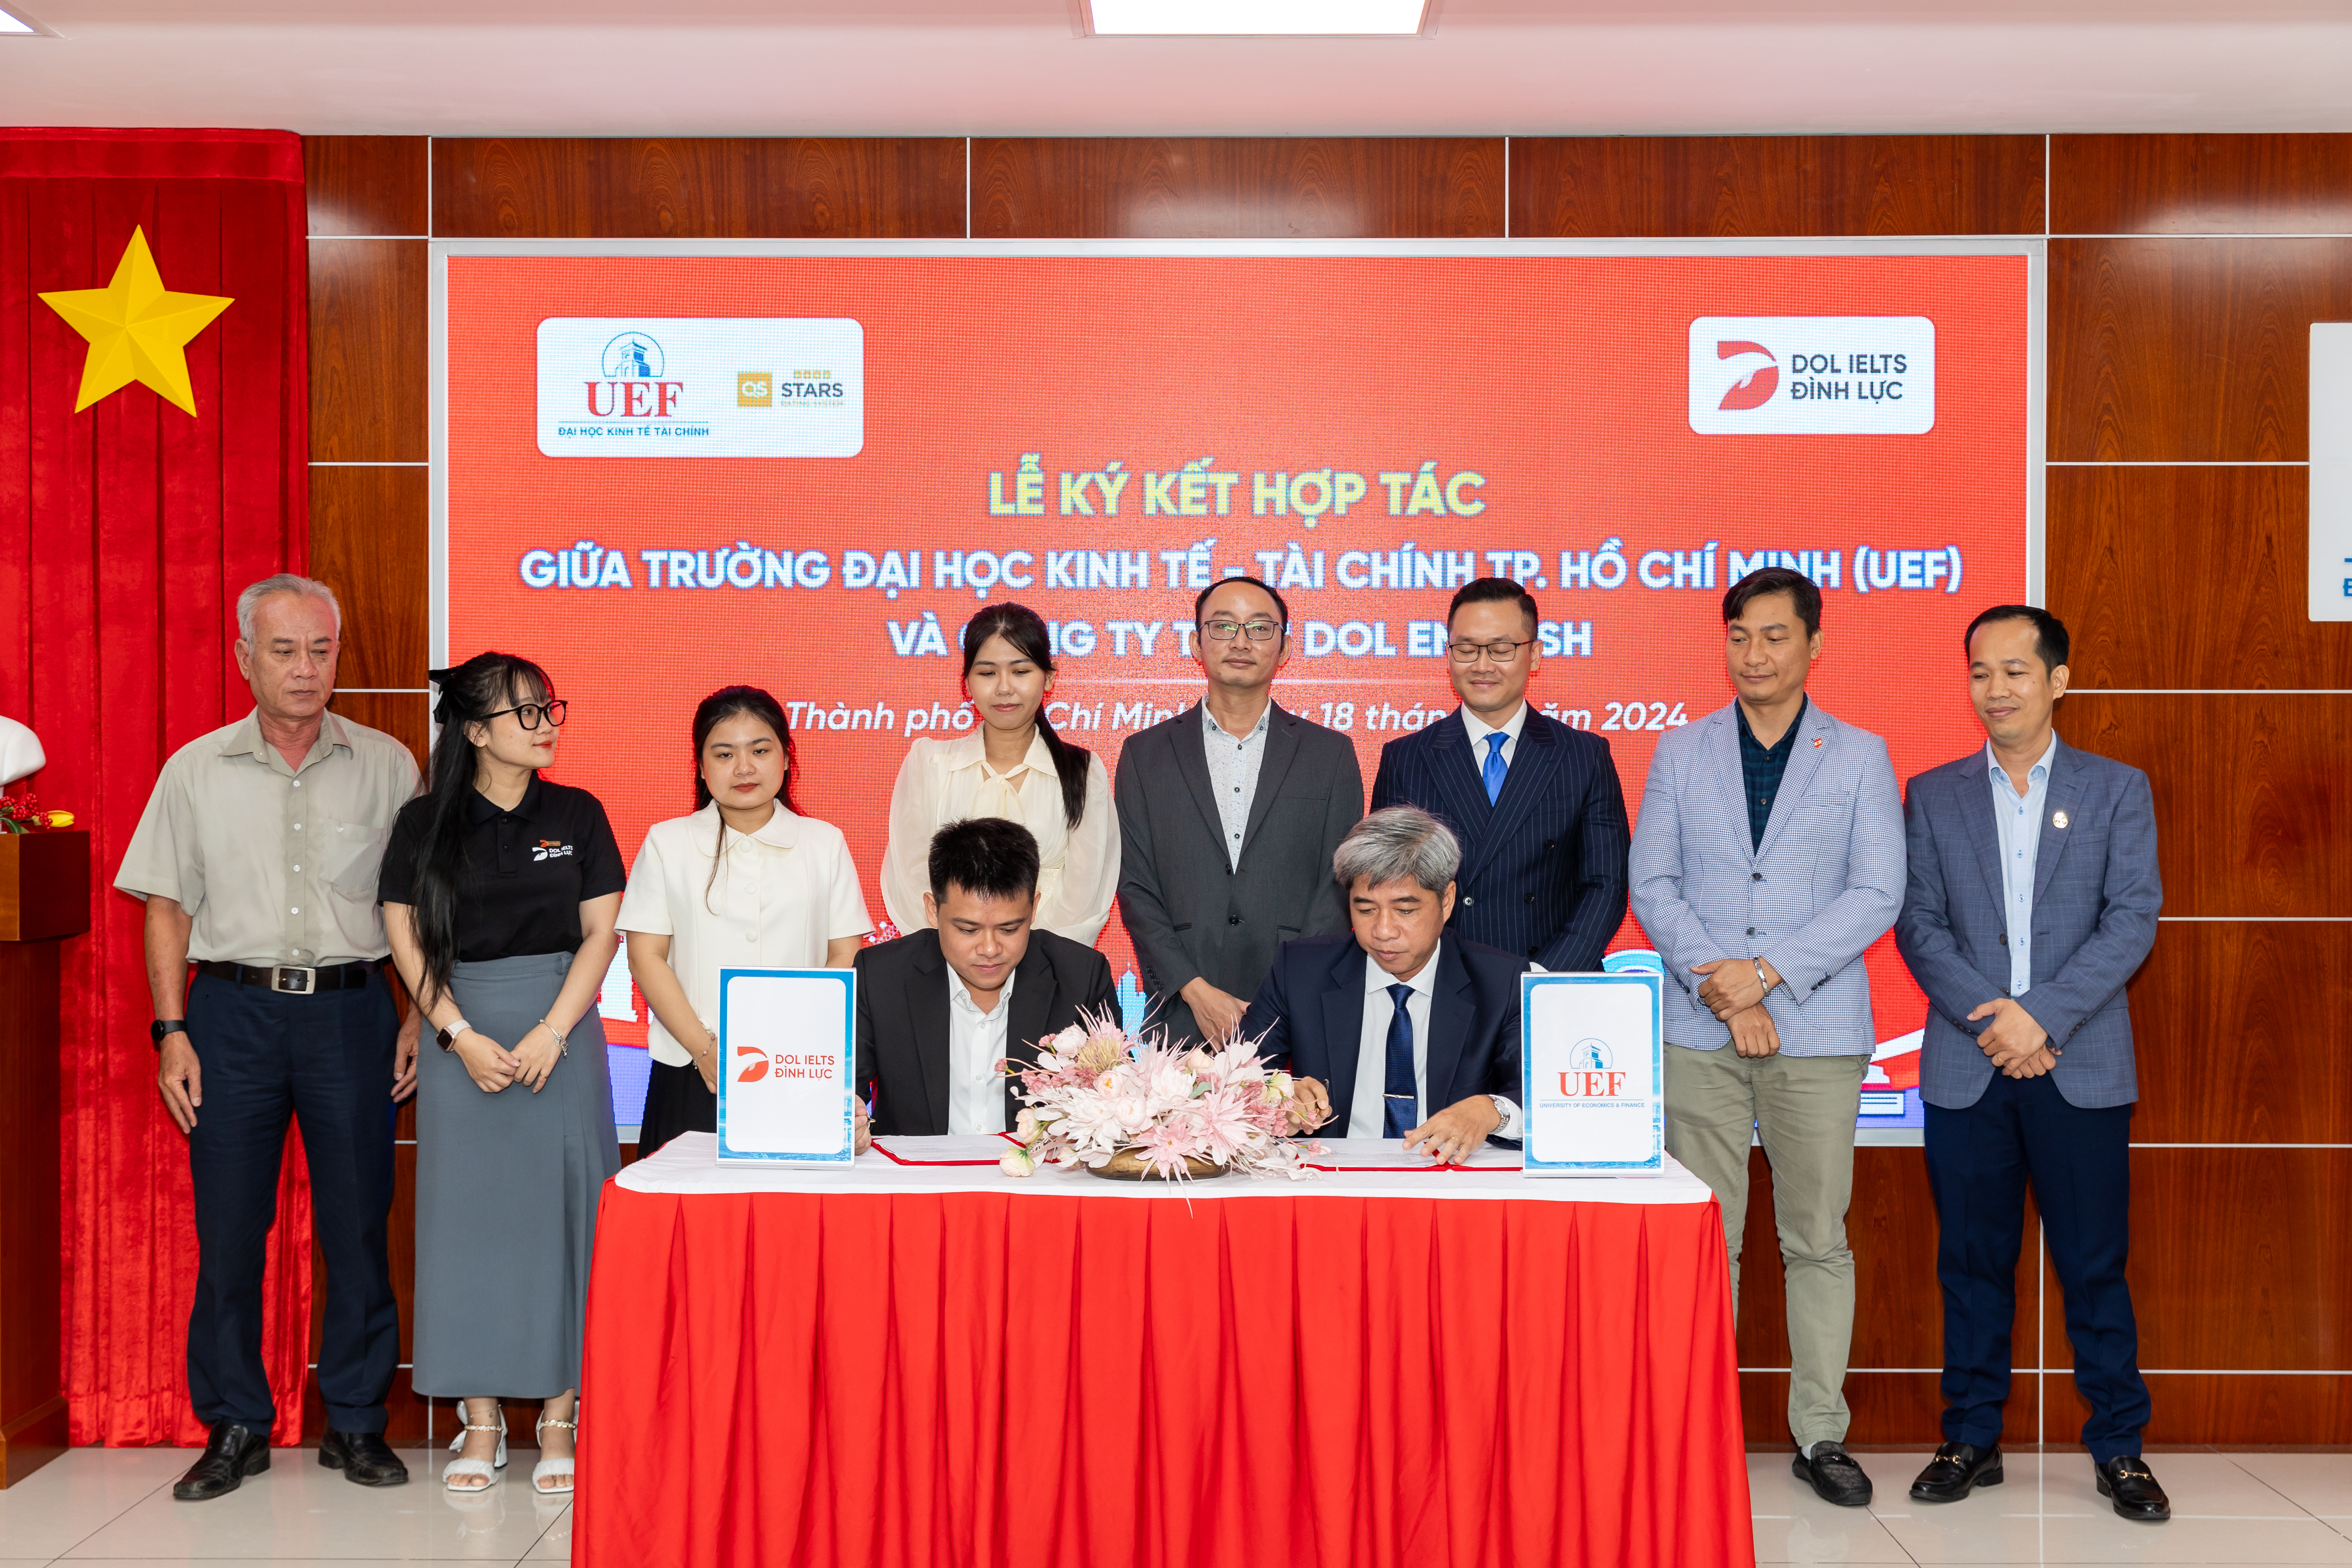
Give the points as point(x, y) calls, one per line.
point(756, 1068)
point(1812, 375)
point(1591, 1072)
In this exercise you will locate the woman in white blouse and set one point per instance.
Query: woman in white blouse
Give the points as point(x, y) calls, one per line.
point(1012, 765)
point(746, 882)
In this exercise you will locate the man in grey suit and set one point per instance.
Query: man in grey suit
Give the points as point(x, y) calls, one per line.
point(1228, 816)
point(2034, 896)
point(1768, 856)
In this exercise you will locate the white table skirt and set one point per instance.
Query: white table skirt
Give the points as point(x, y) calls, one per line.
point(689, 1164)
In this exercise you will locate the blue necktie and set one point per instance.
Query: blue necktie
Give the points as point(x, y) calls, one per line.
point(1401, 1091)
point(1496, 766)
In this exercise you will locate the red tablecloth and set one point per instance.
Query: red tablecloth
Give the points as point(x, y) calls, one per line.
point(974, 1379)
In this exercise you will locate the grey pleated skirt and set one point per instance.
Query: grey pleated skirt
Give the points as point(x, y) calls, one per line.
point(507, 1188)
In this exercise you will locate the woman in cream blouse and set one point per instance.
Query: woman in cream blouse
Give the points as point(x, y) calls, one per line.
point(745, 882)
point(1012, 765)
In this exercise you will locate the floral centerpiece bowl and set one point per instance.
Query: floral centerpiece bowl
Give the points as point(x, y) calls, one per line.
point(1142, 1106)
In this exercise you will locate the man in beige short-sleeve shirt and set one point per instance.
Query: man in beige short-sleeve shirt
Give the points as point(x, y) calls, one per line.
point(256, 859)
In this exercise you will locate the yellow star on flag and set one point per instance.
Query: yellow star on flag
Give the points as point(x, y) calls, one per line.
point(138, 329)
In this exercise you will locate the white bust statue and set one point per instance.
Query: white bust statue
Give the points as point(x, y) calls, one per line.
point(20, 751)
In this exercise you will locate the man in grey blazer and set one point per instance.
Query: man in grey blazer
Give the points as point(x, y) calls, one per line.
point(2032, 899)
point(1769, 855)
point(1228, 816)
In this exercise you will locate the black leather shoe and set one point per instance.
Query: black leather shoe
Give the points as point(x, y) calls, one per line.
point(1834, 1474)
point(363, 1457)
point(1958, 1470)
point(233, 1452)
point(2132, 1486)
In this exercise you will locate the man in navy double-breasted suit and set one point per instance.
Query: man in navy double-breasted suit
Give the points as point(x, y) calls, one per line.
point(1536, 804)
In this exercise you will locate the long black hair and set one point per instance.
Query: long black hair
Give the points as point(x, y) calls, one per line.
point(1025, 630)
point(469, 693)
point(714, 710)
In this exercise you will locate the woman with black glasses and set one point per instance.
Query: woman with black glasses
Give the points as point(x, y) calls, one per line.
point(501, 890)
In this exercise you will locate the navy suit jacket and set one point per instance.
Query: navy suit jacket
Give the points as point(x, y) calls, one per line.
point(2095, 897)
point(1310, 1014)
point(1543, 867)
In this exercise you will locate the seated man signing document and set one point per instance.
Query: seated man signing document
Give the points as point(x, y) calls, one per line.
point(938, 1010)
point(1398, 1029)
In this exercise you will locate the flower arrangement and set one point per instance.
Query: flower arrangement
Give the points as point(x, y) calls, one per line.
point(22, 813)
point(1099, 1093)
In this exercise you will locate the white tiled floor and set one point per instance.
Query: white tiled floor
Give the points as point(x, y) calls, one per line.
point(115, 1505)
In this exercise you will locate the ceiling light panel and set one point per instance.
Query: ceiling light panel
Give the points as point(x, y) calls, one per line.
point(1258, 18)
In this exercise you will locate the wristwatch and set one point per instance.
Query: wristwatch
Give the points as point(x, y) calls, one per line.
point(1760, 979)
point(448, 1036)
point(162, 1026)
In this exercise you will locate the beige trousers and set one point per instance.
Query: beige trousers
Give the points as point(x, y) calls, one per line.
point(1803, 1108)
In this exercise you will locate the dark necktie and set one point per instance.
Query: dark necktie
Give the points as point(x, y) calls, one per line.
point(1402, 1091)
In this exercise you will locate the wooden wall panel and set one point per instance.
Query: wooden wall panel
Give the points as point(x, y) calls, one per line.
point(2175, 351)
point(2240, 1259)
point(366, 184)
point(2233, 1046)
point(1594, 187)
point(1237, 188)
point(2226, 1410)
point(2188, 576)
point(371, 530)
point(2252, 815)
point(1887, 1409)
point(712, 188)
point(406, 717)
point(368, 351)
point(2201, 184)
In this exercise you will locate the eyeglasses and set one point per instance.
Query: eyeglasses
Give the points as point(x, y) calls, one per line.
point(1468, 652)
point(1223, 631)
point(528, 714)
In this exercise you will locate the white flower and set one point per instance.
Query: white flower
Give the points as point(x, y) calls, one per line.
point(1018, 1163)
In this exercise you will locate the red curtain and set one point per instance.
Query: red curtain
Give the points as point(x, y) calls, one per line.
point(126, 532)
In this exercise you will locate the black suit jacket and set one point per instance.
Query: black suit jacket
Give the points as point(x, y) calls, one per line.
point(1543, 866)
point(1310, 1011)
point(1191, 912)
point(902, 1020)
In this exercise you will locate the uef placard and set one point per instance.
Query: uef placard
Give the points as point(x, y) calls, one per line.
point(1592, 1069)
point(787, 1053)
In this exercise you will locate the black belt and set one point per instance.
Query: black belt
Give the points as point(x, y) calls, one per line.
point(291, 979)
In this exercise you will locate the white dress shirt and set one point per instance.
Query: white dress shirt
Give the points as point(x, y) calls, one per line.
point(1233, 774)
point(1367, 1107)
point(2018, 818)
point(1479, 730)
point(949, 781)
point(780, 895)
point(975, 1044)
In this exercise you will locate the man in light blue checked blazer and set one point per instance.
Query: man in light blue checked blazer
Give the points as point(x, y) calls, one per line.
point(1768, 856)
point(2033, 900)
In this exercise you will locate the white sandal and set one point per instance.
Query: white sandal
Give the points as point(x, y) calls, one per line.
point(555, 1469)
point(488, 1468)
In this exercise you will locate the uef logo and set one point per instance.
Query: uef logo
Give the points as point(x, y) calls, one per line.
point(1756, 388)
point(633, 356)
point(1591, 1072)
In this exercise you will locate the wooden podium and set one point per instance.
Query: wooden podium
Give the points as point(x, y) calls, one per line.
point(43, 898)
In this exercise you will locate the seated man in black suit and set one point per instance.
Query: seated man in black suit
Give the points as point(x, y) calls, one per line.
point(1400, 1028)
point(938, 1010)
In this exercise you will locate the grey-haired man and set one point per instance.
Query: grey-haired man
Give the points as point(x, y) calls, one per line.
point(1398, 1027)
point(257, 857)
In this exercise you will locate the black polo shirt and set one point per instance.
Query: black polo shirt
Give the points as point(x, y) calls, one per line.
point(527, 870)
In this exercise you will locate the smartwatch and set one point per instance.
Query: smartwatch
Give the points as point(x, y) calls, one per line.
point(448, 1036)
point(162, 1026)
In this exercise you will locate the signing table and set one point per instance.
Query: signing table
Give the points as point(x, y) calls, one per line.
point(937, 1363)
